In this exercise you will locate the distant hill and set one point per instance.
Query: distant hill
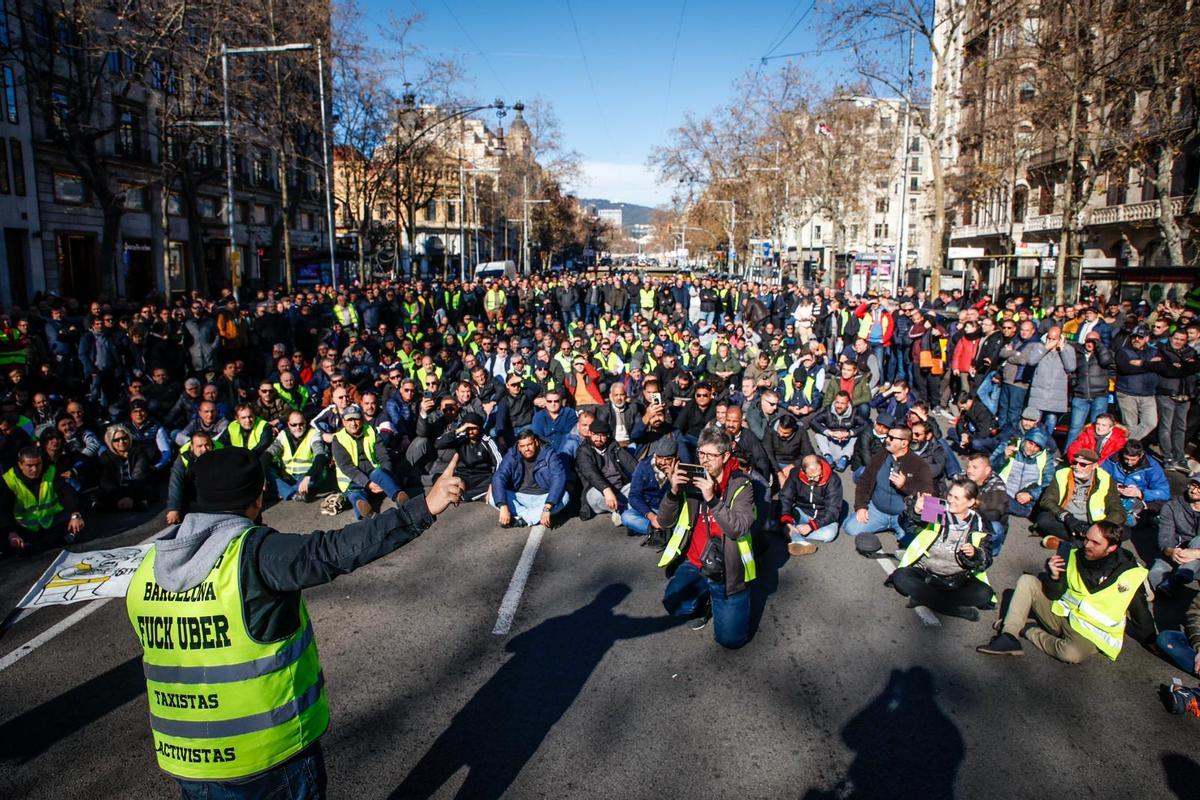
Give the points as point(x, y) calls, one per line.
point(632, 213)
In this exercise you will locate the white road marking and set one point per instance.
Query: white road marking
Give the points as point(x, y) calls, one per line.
point(66, 623)
point(516, 586)
point(927, 616)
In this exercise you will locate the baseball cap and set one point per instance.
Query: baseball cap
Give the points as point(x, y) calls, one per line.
point(352, 412)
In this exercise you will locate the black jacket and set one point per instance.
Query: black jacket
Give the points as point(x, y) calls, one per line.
point(786, 451)
point(749, 448)
point(802, 502)
point(1177, 371)
point(591, 464)
point(692, 418)
point(1092, 371)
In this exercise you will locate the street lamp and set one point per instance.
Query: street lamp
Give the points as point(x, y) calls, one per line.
point(732, 225)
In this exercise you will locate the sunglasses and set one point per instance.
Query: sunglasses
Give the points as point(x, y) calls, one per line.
point(120, 439)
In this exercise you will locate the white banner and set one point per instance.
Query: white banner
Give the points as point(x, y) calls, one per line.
point(75, 577)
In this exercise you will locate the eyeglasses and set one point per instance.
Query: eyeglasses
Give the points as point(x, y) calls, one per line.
point(297, 424)
point(1084, 463)
point(703, 394)
point(514, 385)
point(120, 439)
point(896, 438)
point(555, 402)
point(264, 391)
point(708, 455)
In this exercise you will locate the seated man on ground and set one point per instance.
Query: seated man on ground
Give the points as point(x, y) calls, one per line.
point(944, 567)
point(1140, 481)
point(298, 459)
point(531, 484)
point(478, 455)
point(1081, 610)
point(892, 476)
point(811, 505)
point(555, 423)
point(179, 486)
point(714, 510)
point(1178, 541)
point(836, 429)
point(1079, 496)
point(1182, 648)
point(363, 465)
point(1026, 467)
point(37, 508)
point(650, 482)
point(1104, 436)
point(605, 473)
point(976, 429)
point(993, 498)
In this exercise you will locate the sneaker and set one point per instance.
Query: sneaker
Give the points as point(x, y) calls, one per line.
point(1002, 644)
point(1051, 542)
point(586, 512)
point(615, 516)
point(1179, 699)
point(801, 548)
point(700, 622)
point(969, 613)
point(300, 497)
point(364, 508)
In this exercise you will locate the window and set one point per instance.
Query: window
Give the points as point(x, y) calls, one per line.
point(451, 211)
point(135, 198)
point(258, 169)
point(879, 230)
point(431, 211)
point(914, 144)
point(156, 74)
point(914, 184)
point(854, 233)
point(881, 183)
point(60, 113)
point(10, 95)
point(201, 156)
point(18, 167)
point(1020, 202)
point(816, 233)
point(885, 122)
point(207, 206)
point(129, 133)
point(4, 25)
point(914, 165)
point(68, 188)
point(174, 205)
point(881, 205)
point(262, 214)
point(1027, 90)
point(912, 204)
point(306, 222)
point(5, 188)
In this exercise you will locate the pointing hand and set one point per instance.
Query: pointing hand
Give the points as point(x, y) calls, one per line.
point(447, 491)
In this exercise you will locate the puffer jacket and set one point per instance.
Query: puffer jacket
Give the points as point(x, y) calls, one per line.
point(549, 472)
point(1146, 475)
point(1139, 380)
point(1092, 371)
point(804, 502)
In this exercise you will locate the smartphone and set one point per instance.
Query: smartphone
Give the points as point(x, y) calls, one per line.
point(933, 509)
point(656, 399)
point(427, 395)
point(693, 471)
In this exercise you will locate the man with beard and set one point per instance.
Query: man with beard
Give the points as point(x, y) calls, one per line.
point(606, 471)
point(478, 456)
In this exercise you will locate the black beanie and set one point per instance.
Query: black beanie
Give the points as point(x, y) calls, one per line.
point(229, 479)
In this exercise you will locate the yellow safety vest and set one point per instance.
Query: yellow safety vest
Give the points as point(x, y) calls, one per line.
point(684, 524)
point(1099, 617)
point(1039, 462)
point(239, 438)
point(223, 705)
point(919, 548)
point(351, 444)
point(346, 315)
point(422, 376)
point(1095, 503)
point(646, 298)
point(185, 452)
point(298, 462)
point(34, 513)
point(789, 387)
point(297, 401)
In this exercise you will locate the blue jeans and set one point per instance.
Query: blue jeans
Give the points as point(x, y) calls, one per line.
point(379, 476)
point(989, 393)
point(826, 533)
point(999, 534)
point(877, 522)
point(898, 367)
point(730, 614)
point(528, 507)
point(1012, 403)
point(1185, 573)
point(634, 522)
point(1018, 510)
point(1084, 411)
point(302, 778)
point(1176, 647)
point(1049, 423)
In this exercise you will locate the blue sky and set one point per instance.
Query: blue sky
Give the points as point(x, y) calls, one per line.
point(520, 50)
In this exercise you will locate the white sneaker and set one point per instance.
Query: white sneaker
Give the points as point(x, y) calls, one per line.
point(615, 516)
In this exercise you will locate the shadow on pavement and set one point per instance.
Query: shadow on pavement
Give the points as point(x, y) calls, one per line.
point(32, 733)
point(901, 722)
point(1183, 775)
point(769, 557)
point(502, 726)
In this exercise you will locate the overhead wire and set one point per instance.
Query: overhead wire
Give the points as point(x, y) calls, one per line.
point(588, 72)
point(478, 49)
point(674, 53)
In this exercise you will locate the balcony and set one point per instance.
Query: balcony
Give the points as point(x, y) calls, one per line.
point(1043, 222)
point(1126, 213)
point(978, 231)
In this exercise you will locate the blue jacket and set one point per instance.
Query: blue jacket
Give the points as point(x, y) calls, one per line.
point(645, 493)
point(558, 431)
point(549, 473)
point(1148, 476)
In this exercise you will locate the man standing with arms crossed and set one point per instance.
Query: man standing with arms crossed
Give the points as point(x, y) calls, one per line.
point(234, 682)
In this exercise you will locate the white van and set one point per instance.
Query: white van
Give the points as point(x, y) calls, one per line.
point(496, 269)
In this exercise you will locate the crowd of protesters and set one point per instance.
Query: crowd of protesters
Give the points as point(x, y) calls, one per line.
point(700, 414)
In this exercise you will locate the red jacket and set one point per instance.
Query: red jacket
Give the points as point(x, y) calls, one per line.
point(885, 320)
point(1087, 439)
point(964, 354)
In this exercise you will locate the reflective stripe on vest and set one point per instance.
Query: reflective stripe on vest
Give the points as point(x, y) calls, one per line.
point(926, 536)
point(683, 525)
point(1099, 617)
point(223, 705)
point(297, 402)
point(185, 452)
point(1095, 501)
point(298, 463)
point(238, 437)
point(346, 315)
point(351, 444)
point(34, 513)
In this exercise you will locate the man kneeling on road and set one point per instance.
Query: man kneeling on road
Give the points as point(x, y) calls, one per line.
point(237, 697)
point(530, 484)
point(1081, 610)
point(709, 557)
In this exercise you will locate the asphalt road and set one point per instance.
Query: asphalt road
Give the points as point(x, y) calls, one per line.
point(842, 692)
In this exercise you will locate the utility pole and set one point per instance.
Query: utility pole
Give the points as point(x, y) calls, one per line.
point(899, 262)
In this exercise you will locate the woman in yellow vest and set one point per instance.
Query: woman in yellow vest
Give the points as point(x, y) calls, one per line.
point(944, 567)
point(1082, 610)
point(234, 682)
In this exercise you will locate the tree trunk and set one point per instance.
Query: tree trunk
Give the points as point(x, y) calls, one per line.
point(938, 235)
point(195, 250)
point(1069, 201)
point(110, 234)
point(1168, 229)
